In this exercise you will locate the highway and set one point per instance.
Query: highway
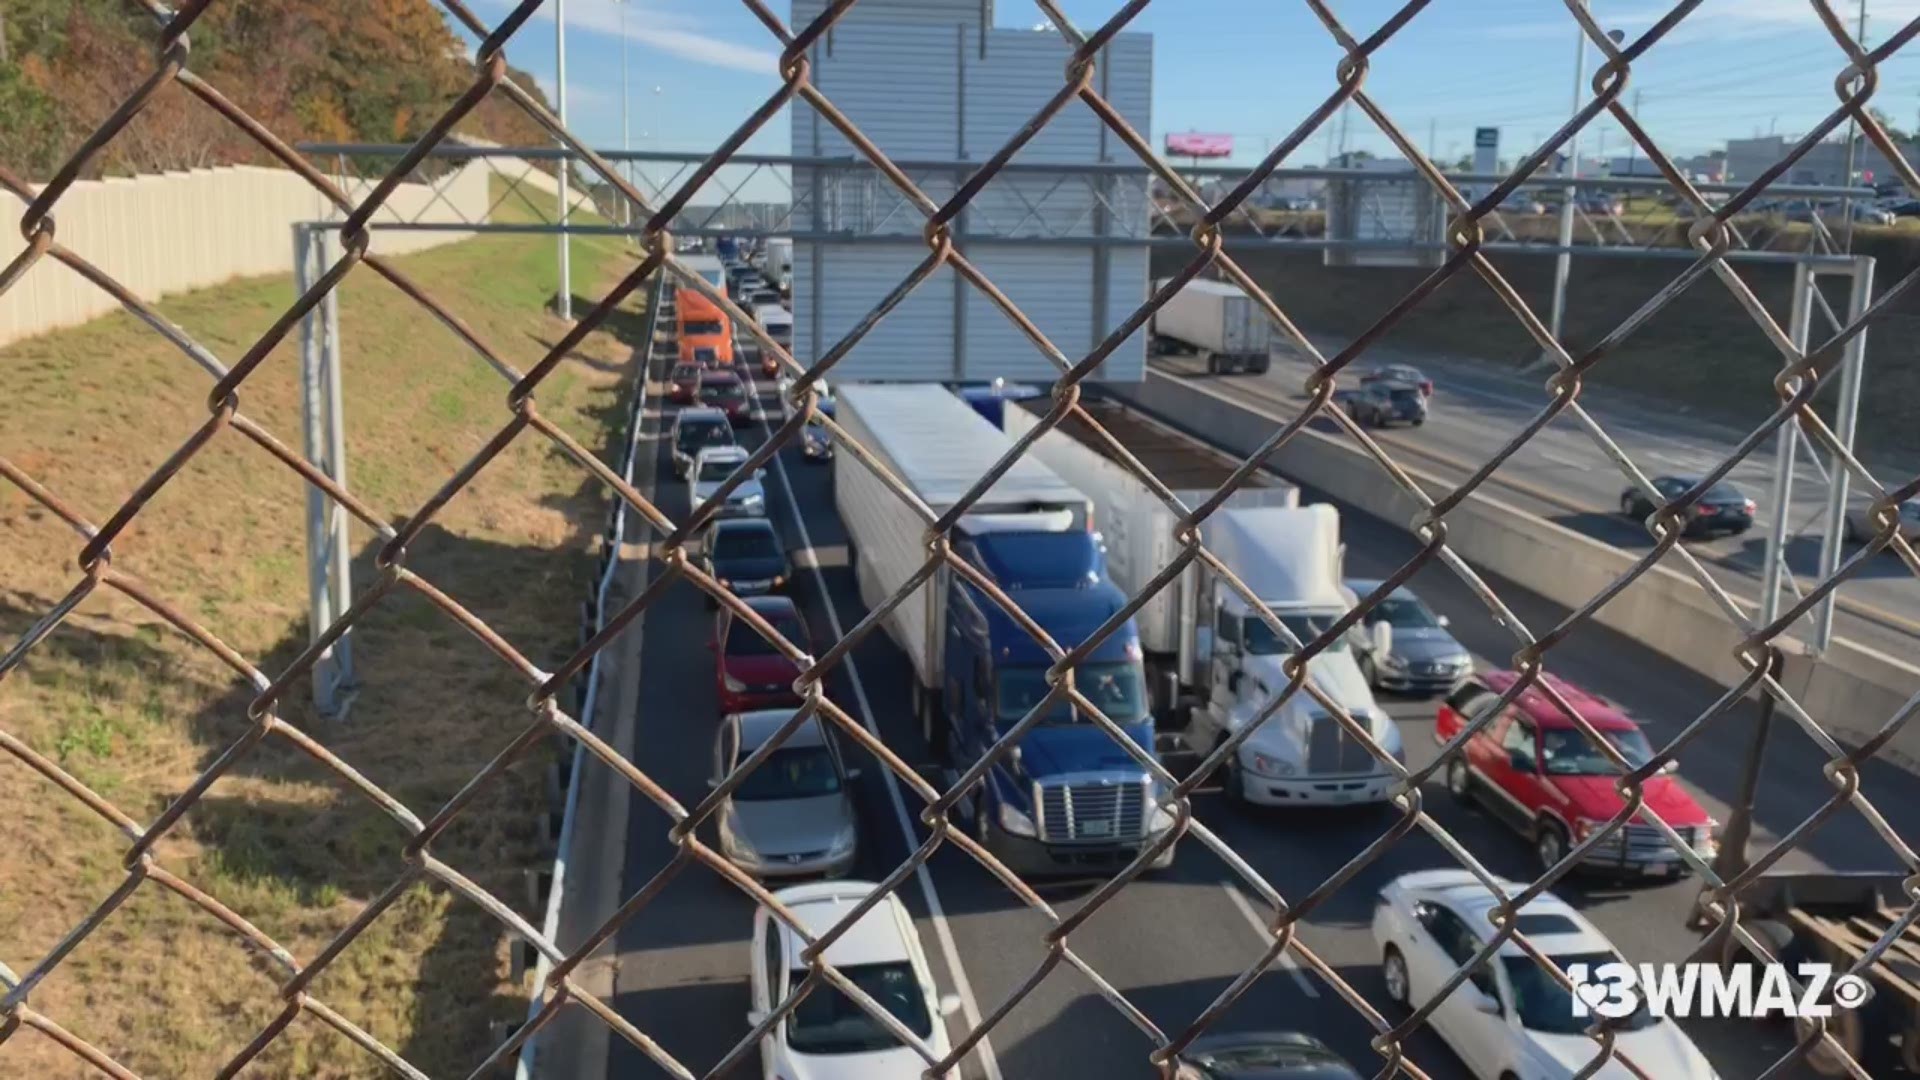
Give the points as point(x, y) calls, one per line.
point(1173, 941)
point(1562, 476)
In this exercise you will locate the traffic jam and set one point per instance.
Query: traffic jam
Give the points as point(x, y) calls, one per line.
point(1071, 535)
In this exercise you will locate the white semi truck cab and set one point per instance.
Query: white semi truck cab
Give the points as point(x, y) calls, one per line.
point(1290, 557)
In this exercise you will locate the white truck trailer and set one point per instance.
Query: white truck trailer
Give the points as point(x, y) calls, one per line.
point(1218, 321)
point(1137, 528)
point(939, 447)
point(776, 261)
point(1291, 559)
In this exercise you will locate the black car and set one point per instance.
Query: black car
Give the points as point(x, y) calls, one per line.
point(1723, 509)
point(747, 556)
point(1377, 404)
point(1279, 1055)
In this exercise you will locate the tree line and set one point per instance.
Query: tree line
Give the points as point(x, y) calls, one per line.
point(319, 70)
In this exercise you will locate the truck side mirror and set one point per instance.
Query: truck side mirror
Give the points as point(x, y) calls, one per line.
point(1382, 634)
point(1520, 760)
point(1233, 682)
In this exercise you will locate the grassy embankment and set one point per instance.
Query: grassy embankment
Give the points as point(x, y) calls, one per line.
point(136, 711)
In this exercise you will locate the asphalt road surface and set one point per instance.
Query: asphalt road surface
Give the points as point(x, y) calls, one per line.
point(1171, 942)
point(1562, 476)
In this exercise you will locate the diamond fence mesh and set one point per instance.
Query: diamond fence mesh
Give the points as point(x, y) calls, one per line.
point(1800, 376)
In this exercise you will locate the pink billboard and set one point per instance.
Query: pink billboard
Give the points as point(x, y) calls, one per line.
point(1196, 145)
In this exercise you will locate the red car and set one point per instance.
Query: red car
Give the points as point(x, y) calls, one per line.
point(723, 390)
point(1401, 373)
point(749, 671)
point(1537, 772)
point(684, 384)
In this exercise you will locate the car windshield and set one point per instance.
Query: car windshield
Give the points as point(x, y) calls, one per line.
point(700, 433)
point(1724, 493)
point(686, 372)
point(1406, 394)
point(744, 640)
point(1117, 688)
point(722, 391)
point(1403, 613)
point(1566, 752)
point(791, 772)
point(1262, 641)
point(712, 472)
point(747, 543)
point(828, 1022)
point(1542, 1004)
point(699, 327)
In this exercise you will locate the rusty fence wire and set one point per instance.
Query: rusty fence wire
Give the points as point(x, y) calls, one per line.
point(1856, 76)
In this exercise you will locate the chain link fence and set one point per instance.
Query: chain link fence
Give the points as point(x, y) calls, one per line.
point(1800, 376)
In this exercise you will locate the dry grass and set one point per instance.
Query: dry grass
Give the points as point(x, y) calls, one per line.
point(136, 711)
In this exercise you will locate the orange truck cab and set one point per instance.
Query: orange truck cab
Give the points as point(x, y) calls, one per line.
point(703, 327)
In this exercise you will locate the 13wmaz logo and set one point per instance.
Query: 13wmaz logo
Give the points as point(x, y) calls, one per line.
point(1620, 989)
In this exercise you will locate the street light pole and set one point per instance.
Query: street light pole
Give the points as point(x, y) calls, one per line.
point(1563, 262)
point(626, 125)
point(563, 302)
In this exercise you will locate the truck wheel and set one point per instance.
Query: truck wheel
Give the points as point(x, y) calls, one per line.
point(1213, 364)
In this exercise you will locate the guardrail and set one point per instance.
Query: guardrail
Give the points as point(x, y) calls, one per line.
point(593, 620)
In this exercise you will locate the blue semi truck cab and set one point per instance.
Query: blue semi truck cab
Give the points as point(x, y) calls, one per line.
point(1069, 797)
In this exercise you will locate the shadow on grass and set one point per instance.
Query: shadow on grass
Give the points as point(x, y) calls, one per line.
point(298, 850)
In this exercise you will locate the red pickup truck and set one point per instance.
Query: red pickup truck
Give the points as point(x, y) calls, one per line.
point(1535, 770)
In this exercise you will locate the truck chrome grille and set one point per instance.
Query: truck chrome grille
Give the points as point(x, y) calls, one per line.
point(1332, 752)
point(1100, 811)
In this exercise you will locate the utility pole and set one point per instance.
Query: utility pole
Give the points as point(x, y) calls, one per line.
point(1853, 145)
point(1563, 262)
point(626, 125)
point(1631, 145)
point(1433, 137)
point(563, 303)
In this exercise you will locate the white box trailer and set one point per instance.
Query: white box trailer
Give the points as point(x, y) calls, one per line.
point(776, 261)
point(1219, 321)
point(939, 447)
point(1137, 528)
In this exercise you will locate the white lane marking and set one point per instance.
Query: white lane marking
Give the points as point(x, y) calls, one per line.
point(936, 912)
point(1561, 459)
point(1261, 928)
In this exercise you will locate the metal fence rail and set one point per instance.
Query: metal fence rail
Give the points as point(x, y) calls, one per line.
point(1801, 374)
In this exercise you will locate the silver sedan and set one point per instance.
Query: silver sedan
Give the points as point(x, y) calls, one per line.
point(793, 814)
point(1860, 526)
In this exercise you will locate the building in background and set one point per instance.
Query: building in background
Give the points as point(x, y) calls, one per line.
point(939, 90)
point(1824, 163)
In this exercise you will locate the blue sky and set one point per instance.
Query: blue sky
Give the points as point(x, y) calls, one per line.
point(1254, 68)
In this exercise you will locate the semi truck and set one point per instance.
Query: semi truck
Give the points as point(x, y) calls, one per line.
point(776, 262)
point(1137, 529)
point(727, 248)
point(1068, 797)
point(1291, 560)
point(1218, 321)
point(707, 267)
point(1213, 663)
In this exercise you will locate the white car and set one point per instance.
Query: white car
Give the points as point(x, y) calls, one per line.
point(1511, 1019)
point(828, 1035)
point(711, 467)
point(785, 387)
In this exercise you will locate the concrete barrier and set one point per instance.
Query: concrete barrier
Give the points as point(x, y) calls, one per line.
point(1851, 691)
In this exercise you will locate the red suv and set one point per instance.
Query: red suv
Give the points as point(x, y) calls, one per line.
point(1536, 771)
point(749, 672)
